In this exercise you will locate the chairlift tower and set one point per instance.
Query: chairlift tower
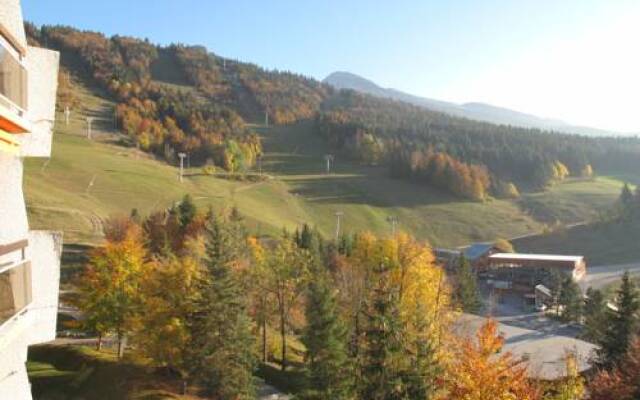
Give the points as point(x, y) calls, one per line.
point(89, 123)
point(328, 158)
point(182, 156)
point(393, 220)
point(338, 215)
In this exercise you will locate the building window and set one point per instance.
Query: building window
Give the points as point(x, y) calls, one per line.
point(15, 290)
point(13, 80)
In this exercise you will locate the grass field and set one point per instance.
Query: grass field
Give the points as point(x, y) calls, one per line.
point(76, 372)
point(86, 181)
point(602, 244)
point(573, 201)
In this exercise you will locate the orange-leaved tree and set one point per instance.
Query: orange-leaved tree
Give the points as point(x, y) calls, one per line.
point(480, 371)
point(109, 287)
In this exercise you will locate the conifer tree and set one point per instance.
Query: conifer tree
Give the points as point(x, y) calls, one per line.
point(571, 298)
point(595, 316)
point(467, 287)
point(382, 367)
point(222, 340)
point(187, 210)
point(305, 238)
point(328, 373)
point(425, 368)
point(626, 201)
point(621, 324)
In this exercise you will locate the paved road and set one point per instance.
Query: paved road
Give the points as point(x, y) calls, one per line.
point(600, 276)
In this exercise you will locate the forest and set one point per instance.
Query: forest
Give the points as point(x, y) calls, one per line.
point(182, 98)
point(203, 299)
point(164, 119)
point(469, 158)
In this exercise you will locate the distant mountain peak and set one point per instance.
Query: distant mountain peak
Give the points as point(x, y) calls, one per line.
point(473, 110)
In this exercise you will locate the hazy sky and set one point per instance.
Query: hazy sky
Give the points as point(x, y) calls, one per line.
point(577, 60)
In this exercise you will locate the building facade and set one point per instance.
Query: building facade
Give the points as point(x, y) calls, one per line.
point(532, 275)
point(29, 260)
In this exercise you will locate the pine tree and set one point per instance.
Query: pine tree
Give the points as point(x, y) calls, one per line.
point(571, 298)
point(621, 324)
point(187, 210)
point(595, 316)
point(467, 287)
point(421, 379)
point(306, 238)
point(328, 374)
point(626, 201)
point(222, 340)
point(383, 357)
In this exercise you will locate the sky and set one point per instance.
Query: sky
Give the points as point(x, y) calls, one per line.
point(574, 60)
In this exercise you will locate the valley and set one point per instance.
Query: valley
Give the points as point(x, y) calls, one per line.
point(86, 181)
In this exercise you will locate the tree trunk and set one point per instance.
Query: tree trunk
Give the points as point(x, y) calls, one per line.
point(264, 340)
point(283, 335)
point(99, 342)
point(122, 344)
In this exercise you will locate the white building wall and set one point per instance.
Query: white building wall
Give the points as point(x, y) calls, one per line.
point(44, 251)
point(11, 21)
point(35, 324)
point(42, 65)
point(13, 214)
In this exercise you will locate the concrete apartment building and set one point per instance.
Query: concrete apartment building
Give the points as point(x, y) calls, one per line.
point(29, 260)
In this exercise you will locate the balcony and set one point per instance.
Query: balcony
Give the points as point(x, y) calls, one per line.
point(13, 90)
point(15, 283)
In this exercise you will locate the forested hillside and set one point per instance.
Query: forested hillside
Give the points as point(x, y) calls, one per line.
point(185, 99)
point(468, 158)
point(158, 106)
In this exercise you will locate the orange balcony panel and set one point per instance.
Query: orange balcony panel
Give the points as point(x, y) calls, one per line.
point(11, 122)
point(10, 127)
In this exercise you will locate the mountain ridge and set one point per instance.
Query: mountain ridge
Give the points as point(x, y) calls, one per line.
point(472, 110)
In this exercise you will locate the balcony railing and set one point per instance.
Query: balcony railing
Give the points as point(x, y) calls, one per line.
point(15, 283)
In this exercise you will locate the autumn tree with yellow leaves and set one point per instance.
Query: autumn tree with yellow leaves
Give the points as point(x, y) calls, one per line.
point(480, 370)
point(110, 286)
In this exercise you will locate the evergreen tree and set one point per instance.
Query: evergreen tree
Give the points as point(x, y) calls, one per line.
point(626, 201)
point(328, 374)
point(467, 287)
point(621, 324)
point(187, 210)
point(382, 365)
point(595, 315)
point(421, 380)
point(571, 299)
point(554, 281)
point(222, 356)
point(306, 237)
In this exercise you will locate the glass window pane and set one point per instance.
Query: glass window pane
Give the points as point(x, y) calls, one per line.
point(15, 290)
point(13, 79)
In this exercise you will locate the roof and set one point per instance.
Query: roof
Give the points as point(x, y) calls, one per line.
point(446, 253)
point(536, 257)
point(477, 250)
point(544, 290)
